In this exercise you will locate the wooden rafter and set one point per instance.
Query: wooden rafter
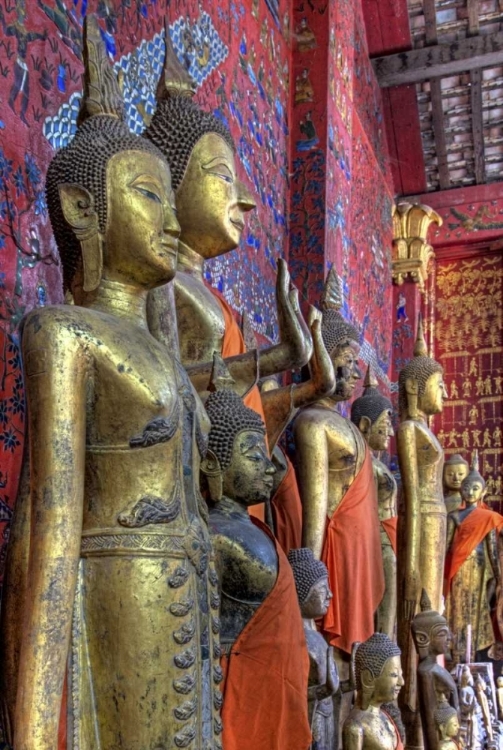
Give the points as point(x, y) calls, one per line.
point(477, 126)
point(439, 60)
point(430, 21)
point(473, 17)
point(437, 113)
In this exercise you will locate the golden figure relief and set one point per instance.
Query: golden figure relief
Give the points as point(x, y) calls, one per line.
point(455, 470)
point(119, 579)
point(454, 393)
point(473, 415)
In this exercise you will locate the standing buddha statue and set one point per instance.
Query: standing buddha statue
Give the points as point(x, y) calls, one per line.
point(337, 489)
point(422, 530)
point(472, 569)
point(455, 470)
point(119, 586)
point(371, 413)
point(265, 660)
point(447, 722)
point(313, 591)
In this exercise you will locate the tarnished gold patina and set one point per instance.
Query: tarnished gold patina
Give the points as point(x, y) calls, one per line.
point(455, 470)
point(447, 723)
point(372, 415)
point(412, 253)
point(119, 588)
point(378, 681)
point(422, 534)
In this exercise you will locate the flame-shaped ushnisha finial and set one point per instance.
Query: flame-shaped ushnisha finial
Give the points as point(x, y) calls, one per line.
point(332, 299)
point(425, 602)
point(370, 380)
point(249, 336)
point(102, 94)
point(220, 379)
point(174, 80)
point(475, 466)
point(420, 348)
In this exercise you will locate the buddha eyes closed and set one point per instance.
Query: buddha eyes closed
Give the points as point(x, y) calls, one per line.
point(148, 194)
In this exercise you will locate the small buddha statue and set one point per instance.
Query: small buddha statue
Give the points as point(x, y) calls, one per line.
point(472, 568)
point(499, 693)
point(265, 660)
point(118, 588)
point(371, 413)
point(313, 591)
point(338, 491)
point(455, 470)
point(378, 681)
point(435, 684)
point(447, 723)
point(422, 528)
point(481, 695)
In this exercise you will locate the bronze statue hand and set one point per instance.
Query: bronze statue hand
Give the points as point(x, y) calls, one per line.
point(293, 296)
point(322, 381)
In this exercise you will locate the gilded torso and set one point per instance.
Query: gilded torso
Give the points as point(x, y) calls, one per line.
point(428, 458)
point(201, 325)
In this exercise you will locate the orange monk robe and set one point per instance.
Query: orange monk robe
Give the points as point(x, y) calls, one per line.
point(353, 555)
point(266, 673)
point(399, 742)
point(470, 532)
point(286, 508)
point(390, 526)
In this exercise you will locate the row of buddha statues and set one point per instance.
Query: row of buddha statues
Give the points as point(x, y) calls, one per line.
point(172, 581)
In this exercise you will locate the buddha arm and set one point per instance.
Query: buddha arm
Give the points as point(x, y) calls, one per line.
point(311, 447)
point(407, 456)
point(451, 530)
point(56, 406)
point(492, 551)
point(352, 736)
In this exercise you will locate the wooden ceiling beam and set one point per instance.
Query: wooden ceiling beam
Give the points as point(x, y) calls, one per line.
point(473, 17)
point(437, 114)
point(430, 21)
point(440, 60)
point(477, 126)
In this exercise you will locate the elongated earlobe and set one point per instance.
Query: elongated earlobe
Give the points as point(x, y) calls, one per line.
point(78, 208)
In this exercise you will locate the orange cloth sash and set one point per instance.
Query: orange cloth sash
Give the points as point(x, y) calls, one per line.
point(390, 526)
point(286, 509)
point(399, 741)
point(353, 555)
point(266, 673)
point(470, 532)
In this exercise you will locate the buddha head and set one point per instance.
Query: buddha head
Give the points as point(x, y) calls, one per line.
point(378, 671)
point(109, 192)
point(473, 485)
point(341, 339)
point(455, 470)
point(211, 201)
point(311, 582)
point(237, 464)
point(466, 679)
point(421, 382)
point(447, 722)
point(371, 413)
point(430, 630)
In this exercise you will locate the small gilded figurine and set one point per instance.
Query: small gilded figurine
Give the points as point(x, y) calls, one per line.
point(455, 470)
point(472, 569)
point(447, 723)
point(378, 681)
point(338, 491)
point(265, 658)
point(371, 413)
point(435, 685)
point(313, 591)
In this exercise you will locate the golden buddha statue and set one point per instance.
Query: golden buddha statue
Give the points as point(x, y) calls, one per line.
point(211, 205)
point(336, 482)
point(371, 413)
point(120, 598)
point(422, 530)
point(447, 722)
point(313, 591)
point(378, 682)
point(265, 659)
point(435, 685)
point(455, 470)
point(472, 568)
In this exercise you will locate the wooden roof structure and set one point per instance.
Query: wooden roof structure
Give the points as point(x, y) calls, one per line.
point(456, 67)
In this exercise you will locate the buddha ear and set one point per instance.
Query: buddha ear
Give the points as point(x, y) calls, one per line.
point(412, 391)
point(79, 211)
point(364, 425)
point(210, 467)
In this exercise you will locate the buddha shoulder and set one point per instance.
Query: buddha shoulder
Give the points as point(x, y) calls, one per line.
point(56, 328)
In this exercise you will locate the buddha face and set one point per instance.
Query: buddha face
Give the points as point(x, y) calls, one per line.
point(249, 478)
point(454, 475)
point(381, 431)
point(472, 491)
point(347, 372)
point(318, 600)
point(211, 201)
point(451, 727)
point(141, 236)
point(389, 683)
point(440, 637)
point(432, 400)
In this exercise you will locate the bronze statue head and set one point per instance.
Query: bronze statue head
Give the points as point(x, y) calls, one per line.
point(455, 470)
point(378, 671)
point(311, 582)
point(371, 413)
point(473, 485)
point(420, 382)
point(104, 186)
point(211, 200)
point(447, 721)
point(429, 630)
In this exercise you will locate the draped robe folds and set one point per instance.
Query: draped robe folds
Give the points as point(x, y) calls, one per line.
point(353, 555)
point(266, 673)
point(286, 510)
point(390, 525)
